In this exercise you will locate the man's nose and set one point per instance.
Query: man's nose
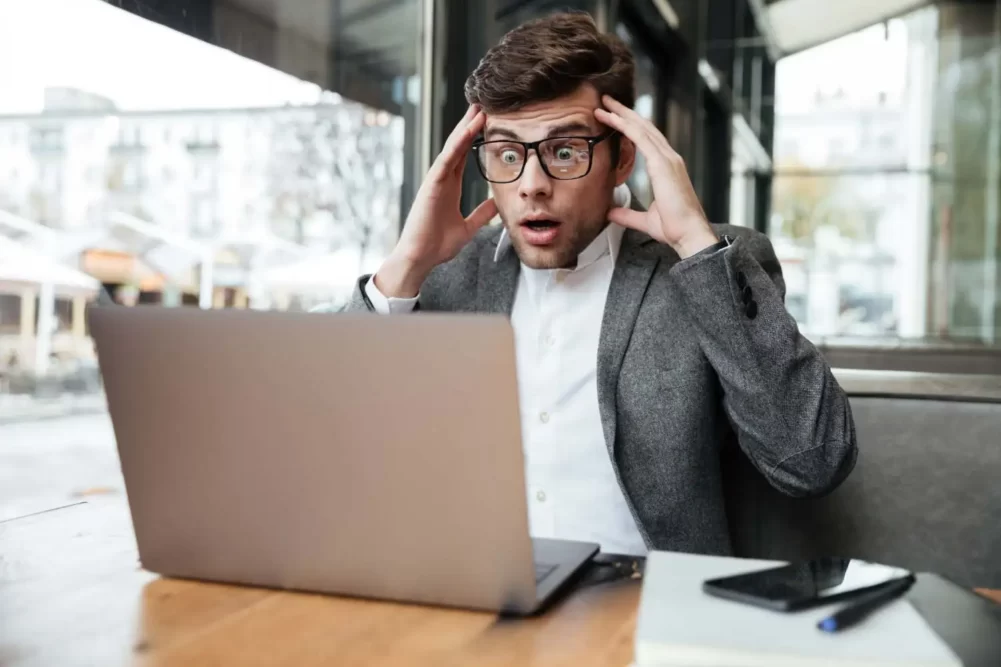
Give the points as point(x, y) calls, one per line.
point(534, 181)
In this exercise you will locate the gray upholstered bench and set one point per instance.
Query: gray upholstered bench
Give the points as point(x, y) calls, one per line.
point(925, 494)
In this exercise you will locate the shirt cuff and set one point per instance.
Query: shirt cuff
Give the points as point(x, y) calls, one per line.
point(388, 305)
point(724, 242)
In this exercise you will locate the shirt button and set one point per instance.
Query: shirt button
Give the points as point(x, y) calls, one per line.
point(561, 276)
point(541, 496)
point(544, 417)
point(550, 341)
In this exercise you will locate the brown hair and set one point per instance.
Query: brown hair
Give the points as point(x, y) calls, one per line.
point(547, 58)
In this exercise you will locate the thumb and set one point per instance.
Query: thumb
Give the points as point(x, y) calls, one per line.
point(483, 214)
point(627, 217)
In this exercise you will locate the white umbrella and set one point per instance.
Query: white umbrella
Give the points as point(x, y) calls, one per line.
point(21, 266)
point(332, 274)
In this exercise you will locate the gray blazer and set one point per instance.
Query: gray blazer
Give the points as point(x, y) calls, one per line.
point(690, 353)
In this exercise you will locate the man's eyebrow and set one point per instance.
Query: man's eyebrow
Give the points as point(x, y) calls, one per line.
point(562, 130)
point(501, 132)
point(569, 129)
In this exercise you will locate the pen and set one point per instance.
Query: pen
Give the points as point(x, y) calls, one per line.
point(864, 605)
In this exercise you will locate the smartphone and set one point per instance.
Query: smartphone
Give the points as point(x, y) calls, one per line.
point(805, 584)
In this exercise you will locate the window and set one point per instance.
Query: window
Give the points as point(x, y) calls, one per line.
point(131, 134)
point(307, 162)
point(896, 233)
point(276, 152)
point(131, 175)
point(204, 173)
point(50, 176)
point(10, 314)
point(47, 139)
point(205, 135)
point(63, 315)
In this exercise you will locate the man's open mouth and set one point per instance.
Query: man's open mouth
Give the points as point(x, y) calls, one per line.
point(540, 232)
point(540, 225)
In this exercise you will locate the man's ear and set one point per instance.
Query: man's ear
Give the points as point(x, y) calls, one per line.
point(627, 160)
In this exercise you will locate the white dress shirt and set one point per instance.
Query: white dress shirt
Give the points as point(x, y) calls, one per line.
point(572, 489)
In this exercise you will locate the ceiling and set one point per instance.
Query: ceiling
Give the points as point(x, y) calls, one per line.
point(378, 35)
point(799, 24)
point(366, 50)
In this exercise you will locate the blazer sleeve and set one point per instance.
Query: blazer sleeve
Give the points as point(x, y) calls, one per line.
point(792, 419)
point(359, 302)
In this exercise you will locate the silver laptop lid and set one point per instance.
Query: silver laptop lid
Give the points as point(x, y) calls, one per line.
point(353, 454)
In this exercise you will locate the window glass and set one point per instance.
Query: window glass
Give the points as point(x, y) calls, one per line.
point(255, 159)
point(885, 203)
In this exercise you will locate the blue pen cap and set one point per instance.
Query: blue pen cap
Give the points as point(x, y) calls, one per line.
point(828, 625)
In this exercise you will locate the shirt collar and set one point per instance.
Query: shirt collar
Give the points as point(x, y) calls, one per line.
point(609, 240)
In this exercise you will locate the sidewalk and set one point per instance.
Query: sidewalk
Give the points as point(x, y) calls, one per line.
point(20, 408)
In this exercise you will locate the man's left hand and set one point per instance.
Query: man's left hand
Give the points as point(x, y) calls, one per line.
point(676, 216)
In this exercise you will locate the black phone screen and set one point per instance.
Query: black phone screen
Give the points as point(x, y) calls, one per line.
point(804, 584)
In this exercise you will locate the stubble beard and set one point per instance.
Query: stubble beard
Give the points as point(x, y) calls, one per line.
point(563, 256)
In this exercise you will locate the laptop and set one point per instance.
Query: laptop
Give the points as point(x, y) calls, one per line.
point(351, 454)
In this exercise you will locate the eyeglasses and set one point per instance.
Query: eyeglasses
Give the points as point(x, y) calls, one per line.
point(562, 158)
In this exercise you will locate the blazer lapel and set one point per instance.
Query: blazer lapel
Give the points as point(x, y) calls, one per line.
point(638, 258)
point(497, 281)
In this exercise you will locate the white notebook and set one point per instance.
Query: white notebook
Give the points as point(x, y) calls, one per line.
point(680, 626)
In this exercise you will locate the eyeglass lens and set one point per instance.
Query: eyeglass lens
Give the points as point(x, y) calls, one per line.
point(564, 158)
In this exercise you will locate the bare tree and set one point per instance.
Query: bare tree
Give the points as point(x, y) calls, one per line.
point(335, 175)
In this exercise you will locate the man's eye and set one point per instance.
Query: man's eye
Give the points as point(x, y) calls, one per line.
point(510, 156)
point(565, 153)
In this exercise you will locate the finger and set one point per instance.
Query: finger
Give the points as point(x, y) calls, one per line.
point(659, 159)
point(457, 135)
point(458, 144)
point(625, 112)
point(617, 107)
point(626, 217)
point(471, 112)
point(630, 115)
point(472, 121)
point(482, 214)
point(633, 132)
point(458, 164)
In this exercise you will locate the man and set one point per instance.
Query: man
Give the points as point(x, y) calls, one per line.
point(643, 337)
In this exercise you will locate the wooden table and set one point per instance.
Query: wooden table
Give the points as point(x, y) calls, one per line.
point(72, 592)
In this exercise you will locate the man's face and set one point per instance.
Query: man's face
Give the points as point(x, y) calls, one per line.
point(551, 221)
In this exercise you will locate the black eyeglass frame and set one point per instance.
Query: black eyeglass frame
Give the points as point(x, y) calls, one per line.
point(530, 146)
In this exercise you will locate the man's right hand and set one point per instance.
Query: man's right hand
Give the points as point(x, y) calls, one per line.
point(435, 230)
